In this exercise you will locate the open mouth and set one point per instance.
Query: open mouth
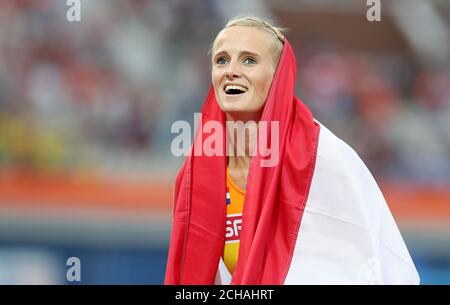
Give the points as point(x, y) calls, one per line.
point(235, 89)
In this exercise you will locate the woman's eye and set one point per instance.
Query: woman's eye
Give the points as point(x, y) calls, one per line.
point(221, 61)
point(249, 61)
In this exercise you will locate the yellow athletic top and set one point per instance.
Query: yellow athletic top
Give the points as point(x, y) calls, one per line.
point(235, 205)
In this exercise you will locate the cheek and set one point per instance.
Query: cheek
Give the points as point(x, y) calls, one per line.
point(264, 83)
point(215, 77)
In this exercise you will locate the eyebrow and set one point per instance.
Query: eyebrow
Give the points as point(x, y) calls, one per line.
point(242, 53)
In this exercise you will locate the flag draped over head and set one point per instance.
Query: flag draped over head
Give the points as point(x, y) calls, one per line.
point(275, 197)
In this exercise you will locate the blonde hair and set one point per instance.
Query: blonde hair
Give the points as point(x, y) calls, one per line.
point(258, 23)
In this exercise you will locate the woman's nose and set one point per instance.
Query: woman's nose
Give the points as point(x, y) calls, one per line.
point(232, 70)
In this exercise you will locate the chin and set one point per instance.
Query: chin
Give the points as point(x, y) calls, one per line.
point(235, 110)
point(240, 110)
point(228, 106)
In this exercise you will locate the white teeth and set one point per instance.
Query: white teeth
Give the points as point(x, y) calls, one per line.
point(236, 87)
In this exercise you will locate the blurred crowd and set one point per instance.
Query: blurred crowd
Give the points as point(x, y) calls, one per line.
point(74, 94)
point(394, 113)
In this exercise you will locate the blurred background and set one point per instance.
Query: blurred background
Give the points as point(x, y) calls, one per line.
point(86, 109)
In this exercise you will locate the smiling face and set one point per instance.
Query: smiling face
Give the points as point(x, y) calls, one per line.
point(243, 66)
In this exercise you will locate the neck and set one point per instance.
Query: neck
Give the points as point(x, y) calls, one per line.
point(245, 116)
point(242, 138)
